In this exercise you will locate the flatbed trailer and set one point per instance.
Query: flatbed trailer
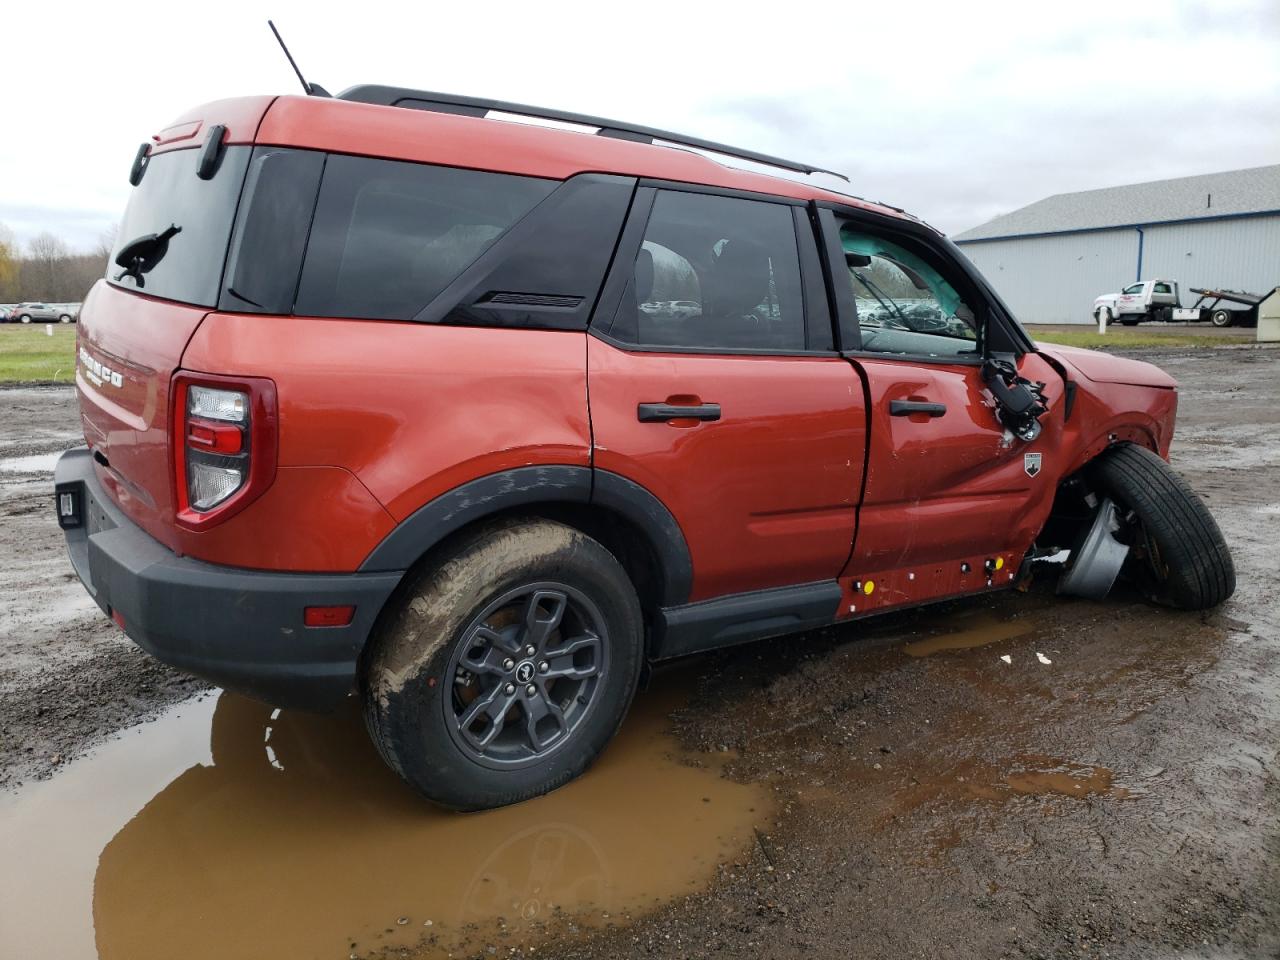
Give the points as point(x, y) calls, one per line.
point(1160, 301)
point(1217, 314)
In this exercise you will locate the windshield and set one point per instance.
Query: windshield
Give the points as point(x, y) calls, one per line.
point(193, 215)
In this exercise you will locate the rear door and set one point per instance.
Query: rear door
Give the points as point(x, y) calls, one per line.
point(947, 487)
point(714, 383)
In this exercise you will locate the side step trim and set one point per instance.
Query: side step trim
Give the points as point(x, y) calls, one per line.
point(743, 617)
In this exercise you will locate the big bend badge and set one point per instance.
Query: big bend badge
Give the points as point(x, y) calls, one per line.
point(1031, 463)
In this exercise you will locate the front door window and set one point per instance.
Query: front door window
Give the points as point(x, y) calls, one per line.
point(905, 306)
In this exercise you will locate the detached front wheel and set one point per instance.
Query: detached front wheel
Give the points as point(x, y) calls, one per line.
point(505, 667)
point(1177, 554)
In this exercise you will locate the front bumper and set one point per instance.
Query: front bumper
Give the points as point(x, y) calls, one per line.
point(240, 629)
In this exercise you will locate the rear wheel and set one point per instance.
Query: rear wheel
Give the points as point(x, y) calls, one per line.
point(1221, 318)
point(505, 667)
point(65, 318)
point(1177, 554)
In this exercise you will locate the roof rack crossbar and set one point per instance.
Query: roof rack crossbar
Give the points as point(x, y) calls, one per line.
point(479, 106)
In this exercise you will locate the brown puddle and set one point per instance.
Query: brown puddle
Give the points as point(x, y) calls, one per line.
point(1065, 778)
point(226, 829)
point(979, 630)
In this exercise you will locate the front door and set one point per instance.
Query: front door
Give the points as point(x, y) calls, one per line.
point(714, 384)
point(952, 497)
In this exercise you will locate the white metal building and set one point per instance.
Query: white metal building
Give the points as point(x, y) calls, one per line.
point(1050, 259)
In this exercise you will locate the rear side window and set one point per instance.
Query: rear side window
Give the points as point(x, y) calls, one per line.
point(715, 273)
point(196, 213)
point(271, 230)
point(388, 236)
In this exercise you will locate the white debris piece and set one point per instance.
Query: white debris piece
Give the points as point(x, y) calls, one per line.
point(1042, 658)
point(1007, 659)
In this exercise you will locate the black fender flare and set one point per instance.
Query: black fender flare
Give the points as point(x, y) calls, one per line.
point(529, 487)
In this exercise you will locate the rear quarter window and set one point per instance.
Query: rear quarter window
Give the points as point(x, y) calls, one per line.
point(389, 236)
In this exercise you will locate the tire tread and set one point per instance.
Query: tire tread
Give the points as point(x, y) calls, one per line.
point(1201, 572)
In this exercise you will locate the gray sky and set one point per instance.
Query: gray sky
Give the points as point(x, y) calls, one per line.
point(957, 112)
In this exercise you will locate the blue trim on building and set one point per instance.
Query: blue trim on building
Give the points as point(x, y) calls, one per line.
point(1141, 239)
point(1119, 226)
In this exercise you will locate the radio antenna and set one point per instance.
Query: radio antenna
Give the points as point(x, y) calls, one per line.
point(311, 89)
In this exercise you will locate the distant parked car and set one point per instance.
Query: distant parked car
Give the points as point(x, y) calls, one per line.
point(6, 311)
point(30, 312)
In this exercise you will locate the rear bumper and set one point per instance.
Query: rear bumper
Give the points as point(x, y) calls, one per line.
point(241, 629)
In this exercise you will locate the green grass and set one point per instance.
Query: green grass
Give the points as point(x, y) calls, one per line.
point(29, 355)
point(1128, 340)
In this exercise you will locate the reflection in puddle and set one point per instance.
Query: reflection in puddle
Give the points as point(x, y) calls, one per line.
point(233, 830)
point(978, 630)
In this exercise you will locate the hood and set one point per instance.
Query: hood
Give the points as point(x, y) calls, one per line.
point(1105, 368)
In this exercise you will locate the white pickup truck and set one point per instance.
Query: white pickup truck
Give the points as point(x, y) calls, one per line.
point(1159, 300)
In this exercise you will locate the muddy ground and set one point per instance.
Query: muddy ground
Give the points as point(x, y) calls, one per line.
point(1017, 776)
point(1238, 334)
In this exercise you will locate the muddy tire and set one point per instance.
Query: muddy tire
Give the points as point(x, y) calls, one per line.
point(503, 668)
point(1178, 556)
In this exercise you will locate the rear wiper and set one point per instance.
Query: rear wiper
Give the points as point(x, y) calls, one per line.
point(140, 256)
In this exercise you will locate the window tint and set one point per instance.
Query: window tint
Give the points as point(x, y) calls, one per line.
point(271, 230)
point(169, 196)
point(715, 273)
point(904, 302)
point(1133, 288)
point(1162, 288)
point(388, 237)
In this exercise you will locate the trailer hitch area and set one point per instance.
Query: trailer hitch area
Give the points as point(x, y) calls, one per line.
point(1020, 403)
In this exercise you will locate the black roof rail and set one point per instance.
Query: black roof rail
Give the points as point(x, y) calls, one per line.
point(479, 106)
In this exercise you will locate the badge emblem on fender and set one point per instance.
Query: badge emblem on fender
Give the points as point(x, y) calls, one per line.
point(1031, 463)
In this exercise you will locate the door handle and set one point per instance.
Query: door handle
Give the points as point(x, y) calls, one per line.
point(662, 412)
point(905, 408)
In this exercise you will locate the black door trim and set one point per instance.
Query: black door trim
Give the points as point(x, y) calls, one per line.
point(743, 617)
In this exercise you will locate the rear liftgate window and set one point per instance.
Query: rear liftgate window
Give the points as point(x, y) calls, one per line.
point(179, 225)
point(388, 236)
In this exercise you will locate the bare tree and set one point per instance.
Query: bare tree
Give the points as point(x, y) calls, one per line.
point(49, 270)
point(8, 266)
point(106, 243)
point(45, 272)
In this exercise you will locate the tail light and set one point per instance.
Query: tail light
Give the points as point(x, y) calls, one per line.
point(224, 445)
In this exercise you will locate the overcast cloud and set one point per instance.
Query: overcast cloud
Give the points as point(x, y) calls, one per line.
point(957, 112)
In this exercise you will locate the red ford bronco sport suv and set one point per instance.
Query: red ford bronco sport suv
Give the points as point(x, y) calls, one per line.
point(477, 418)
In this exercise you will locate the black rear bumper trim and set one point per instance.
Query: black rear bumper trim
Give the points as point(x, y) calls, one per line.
point(241, 629)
